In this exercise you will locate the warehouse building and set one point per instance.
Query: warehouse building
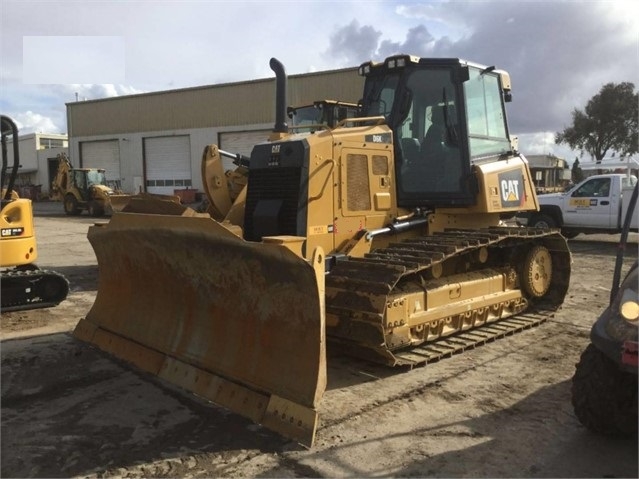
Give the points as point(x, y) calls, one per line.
point(153, 142)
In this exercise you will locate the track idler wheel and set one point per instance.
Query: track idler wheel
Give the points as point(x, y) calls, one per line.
point(537, 272)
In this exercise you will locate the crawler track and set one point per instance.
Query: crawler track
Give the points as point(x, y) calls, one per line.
point(361, 291)
point(24, 289)
point(460, 342)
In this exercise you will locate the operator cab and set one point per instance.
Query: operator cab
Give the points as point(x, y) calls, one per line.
point(321, 113)
point(446, 115)
point(84, 180)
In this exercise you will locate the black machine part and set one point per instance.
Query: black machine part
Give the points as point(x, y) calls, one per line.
point(8, 127)
point(32, 288)
point(611, 332)
point(25, 287)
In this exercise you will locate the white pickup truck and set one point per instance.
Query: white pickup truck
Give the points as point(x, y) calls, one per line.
point(596, 205)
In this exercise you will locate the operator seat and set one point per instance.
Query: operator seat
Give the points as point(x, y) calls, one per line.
point(432, 144)
point(410, 149)
point(440, 151)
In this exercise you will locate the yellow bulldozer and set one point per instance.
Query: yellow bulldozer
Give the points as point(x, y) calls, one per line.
point(24, 285)
point(381, 235)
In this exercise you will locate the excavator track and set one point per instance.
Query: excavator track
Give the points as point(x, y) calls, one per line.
point(363, 293)
point(33, 288)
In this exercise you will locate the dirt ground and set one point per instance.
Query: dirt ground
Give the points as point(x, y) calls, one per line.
point(500, 410)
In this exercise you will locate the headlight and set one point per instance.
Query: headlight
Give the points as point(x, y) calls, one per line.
point(629, 305)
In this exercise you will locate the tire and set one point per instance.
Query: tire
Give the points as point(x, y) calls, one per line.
point(71, 205)
point(604, 397)
point(569, 234)
point(542, 221)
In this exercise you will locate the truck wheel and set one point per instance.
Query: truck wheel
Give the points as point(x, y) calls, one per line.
point(542, 221)
point(604, 397)
point(71, 205)
point(569, 234)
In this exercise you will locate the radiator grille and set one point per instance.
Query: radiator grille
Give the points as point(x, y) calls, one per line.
point(358, 196)
point(273, 184)
point(380, 165)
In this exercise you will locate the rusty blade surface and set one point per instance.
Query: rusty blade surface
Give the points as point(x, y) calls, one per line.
point(249, 313)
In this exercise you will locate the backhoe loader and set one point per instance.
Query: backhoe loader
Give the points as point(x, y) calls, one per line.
point(382, 234)
point(24, 285)
point(82, 189)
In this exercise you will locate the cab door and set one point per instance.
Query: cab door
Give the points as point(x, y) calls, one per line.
point(592, 205)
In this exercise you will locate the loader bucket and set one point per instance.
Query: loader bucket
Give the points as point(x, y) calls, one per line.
point(120, 202)
point(238, 323)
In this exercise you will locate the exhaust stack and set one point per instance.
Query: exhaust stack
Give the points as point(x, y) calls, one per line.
point(280, 96)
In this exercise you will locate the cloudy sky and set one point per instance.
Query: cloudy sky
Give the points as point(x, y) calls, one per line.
point(559, 54)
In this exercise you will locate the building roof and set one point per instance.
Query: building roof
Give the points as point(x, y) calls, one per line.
point(546, 161)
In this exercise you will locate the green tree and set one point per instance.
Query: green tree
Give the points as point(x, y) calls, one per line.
point(576, 174)
point(609, 123)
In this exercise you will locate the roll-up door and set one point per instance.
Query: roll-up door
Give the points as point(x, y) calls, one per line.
point(241, 142)
point(168, 164)
point(102, 154)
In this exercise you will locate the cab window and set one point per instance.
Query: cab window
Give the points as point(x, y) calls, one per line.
point(596, 187)
point(487, 130)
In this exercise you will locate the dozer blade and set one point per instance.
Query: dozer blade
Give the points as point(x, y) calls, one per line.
point(241, 324)
point(120, 202)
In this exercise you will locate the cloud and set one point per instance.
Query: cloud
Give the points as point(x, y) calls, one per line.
point(30, 122)
point(50, 101)
point(559, 54)
point(418, 42)
point(351, 45)
point(95, 92)
point(94, 59)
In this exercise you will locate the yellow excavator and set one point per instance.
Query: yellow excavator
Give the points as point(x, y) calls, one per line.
point(24, 285)
point(382, 234)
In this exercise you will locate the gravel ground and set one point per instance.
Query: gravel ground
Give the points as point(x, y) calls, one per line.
point(500, 410)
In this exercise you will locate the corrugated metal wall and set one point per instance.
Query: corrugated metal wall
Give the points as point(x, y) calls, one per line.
point(230, 104)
